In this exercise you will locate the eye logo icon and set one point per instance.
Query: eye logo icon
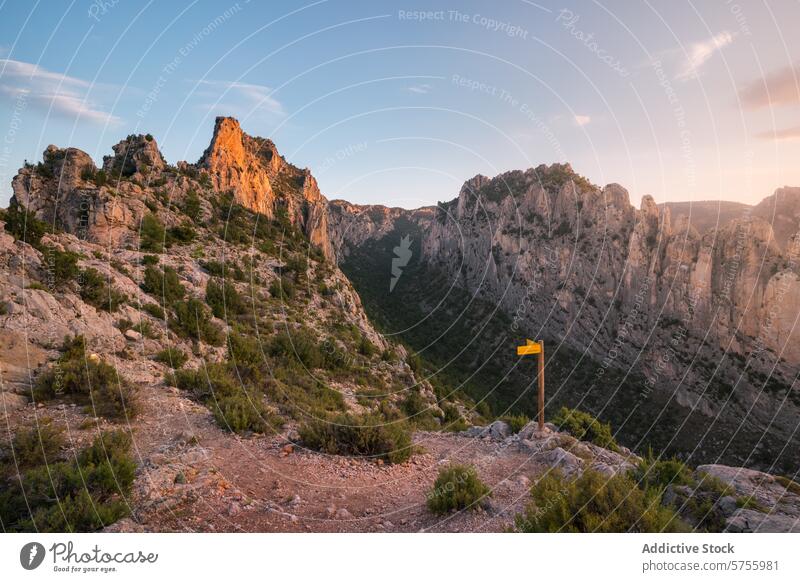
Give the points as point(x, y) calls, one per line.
point(31, 555)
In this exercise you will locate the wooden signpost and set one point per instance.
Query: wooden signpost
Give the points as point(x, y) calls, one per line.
point(529, 349)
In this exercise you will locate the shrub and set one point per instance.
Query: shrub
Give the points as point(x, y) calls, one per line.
point(366, 347)
point(172, 357)
point(182, 234)
point(149, 259)
point(654, 473)
point(234, 406)
point(244, 352)
point(37, 445)
point(224, 299)
point(453, 421)
point(193, 319)
point(164, 285)
point(457, 487)
point(584, 426)
point(595, 503)
point(84, 494)
point(23, 225)
point(365, 435)
point(516, 422)
point(89, 380)
point(152, 234)
point(62, 267)
point(282, 288)
point(191, 205)
point(242, 412)
point(298, 346)
point(153, 309)
point(96, 291)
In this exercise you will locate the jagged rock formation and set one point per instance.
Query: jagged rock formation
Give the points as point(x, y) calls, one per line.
point(707, 319)
point(67, 191)
point(263, 181)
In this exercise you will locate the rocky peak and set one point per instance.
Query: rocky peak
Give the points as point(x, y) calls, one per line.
point(136, 154)
point(263, 181)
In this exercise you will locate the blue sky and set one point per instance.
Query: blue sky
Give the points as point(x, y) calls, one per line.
point(684, 101)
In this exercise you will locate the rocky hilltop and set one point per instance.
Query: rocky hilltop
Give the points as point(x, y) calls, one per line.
point(106, 206)
point(701, 326)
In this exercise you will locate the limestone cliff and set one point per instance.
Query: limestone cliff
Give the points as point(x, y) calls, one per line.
point(709, 320)
point(106, 206)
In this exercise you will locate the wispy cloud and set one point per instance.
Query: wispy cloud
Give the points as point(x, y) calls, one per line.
point(700, 53)
point(420, 89)
point(787, 133)
point(779, 88)
point(582, 120)
point(259, 96)
point(50, 91)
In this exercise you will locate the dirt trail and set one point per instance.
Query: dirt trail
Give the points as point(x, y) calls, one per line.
point(195, 477)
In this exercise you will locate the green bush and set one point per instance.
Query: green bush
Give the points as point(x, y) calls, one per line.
point(366, 347)
point(586, 427)
point(149, 260)
point(515, 421)
point(164, 285)
point(96, 291)
point(365, 435)
point(23, 225)
point(153, 309)
point(244, 353)
point(595, 503)
point(299, 346)
point(62, 267)
point(235, 407)
point(172, 357)
point(193, 320)
point(282, 288)
point(224, 300)
point(182, 234)
point(37, 445)
point(89, 380)
point(191, 205)
point(83, 494)
point(457, 487)
point(153, 234)
point(660, 473)
point(228, 269)
point(242, 412)
point(453, 421)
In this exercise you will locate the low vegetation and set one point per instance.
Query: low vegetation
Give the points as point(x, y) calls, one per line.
point(367, 435)
point(457, 487)
point(236, 406)
point(595, 503)
point(96, 290)
point(584, 426)
point(44, 492)
point(89, 380)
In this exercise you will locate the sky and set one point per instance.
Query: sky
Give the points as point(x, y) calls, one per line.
point(399, 103)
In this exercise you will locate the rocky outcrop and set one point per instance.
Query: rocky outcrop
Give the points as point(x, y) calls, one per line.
point(67, 190)
point(137, 154)
point(263, 181)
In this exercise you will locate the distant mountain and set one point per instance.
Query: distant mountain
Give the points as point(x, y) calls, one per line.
point(683, 338)
point(707, 214)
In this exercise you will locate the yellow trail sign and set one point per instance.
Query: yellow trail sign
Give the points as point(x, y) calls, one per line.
point(529, 349)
